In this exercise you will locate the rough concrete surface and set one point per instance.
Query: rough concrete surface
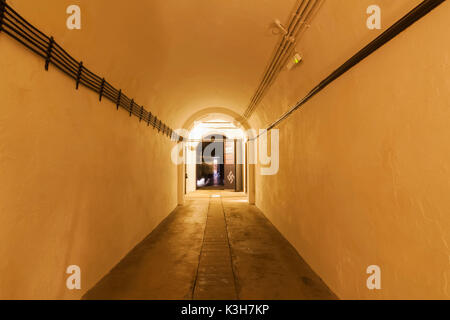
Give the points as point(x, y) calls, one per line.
point(213, 248)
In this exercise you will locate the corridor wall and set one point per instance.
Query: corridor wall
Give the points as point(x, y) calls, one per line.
point(80, 182)
point(364, 166)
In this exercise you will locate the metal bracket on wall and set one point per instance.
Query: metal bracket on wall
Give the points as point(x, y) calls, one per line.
point(102, 87)
point(131, 106)
point(49, 53)
point(80, 70)
point(19, 29)
point(118, 99)
point(141, 113)
point(2, 13)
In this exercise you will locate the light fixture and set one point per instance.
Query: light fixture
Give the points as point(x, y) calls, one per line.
point(293, 61)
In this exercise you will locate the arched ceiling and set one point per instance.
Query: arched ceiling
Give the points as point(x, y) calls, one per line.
point(176, 57)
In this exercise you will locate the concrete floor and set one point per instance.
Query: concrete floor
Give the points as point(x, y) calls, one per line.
point(213, 248)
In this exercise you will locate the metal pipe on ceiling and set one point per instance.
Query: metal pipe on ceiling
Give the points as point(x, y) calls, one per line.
point(421, 10)
point(299, 18)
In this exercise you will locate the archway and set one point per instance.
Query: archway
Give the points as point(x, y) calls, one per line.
point(219, 121)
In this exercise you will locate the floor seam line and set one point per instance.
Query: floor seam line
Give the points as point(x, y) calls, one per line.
point(229, 248)
point(201, 250)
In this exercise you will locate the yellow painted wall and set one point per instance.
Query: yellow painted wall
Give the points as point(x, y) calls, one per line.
point(177, 57)
point(80, 182)
point(364, 166)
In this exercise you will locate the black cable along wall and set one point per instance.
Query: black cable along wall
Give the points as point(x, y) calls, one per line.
point(406, 21)
point(12, 24)
point(18, 28)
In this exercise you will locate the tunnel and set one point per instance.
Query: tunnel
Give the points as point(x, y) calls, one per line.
point(224, 150)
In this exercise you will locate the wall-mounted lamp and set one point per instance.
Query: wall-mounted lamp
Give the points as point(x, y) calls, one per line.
point(293, 61)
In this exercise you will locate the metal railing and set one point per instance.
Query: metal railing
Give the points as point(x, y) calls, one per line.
point(14, 25)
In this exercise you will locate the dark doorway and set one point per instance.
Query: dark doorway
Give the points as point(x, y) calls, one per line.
point(219, 163)
point(210, 162)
